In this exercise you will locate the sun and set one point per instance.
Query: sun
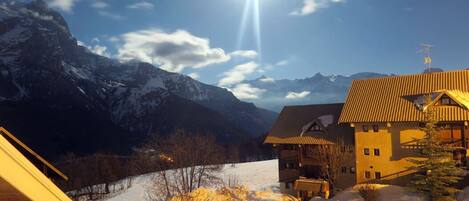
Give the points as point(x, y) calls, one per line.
point(251, 7)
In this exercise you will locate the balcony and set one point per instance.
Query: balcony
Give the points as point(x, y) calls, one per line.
point(288, 154)
point(287, 175)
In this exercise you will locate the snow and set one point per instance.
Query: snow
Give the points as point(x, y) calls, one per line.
point(81, 90)
point(326, 120)
point(258, 176)
point(259, 181)
point(385, 193)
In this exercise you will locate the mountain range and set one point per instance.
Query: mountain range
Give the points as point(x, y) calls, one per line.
point(311, 90)
point(59, 97)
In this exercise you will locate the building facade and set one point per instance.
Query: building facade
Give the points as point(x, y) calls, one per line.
point(381, 122)
point(299, 134)
point(387, 115)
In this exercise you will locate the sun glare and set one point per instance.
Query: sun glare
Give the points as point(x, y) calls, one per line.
point(251, 7)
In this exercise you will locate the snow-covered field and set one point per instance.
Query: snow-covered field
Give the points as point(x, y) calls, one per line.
point(262, 175)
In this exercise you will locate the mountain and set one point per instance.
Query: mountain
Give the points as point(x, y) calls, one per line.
point(59, 97)
point(311, 90)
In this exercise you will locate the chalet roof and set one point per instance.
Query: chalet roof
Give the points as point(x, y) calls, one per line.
point(49, 166)
point(392, 99)
point(21, 180)
point(291, 127)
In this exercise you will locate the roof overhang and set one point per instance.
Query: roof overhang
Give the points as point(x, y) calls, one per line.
point(19, 173)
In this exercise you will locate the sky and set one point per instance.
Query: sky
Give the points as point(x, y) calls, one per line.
point(224, 42)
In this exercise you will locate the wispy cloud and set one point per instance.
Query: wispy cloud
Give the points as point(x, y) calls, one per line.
point(97, 49)
point(282, 63)
point(194, 75)
point(295, 95)
point(267, 80)
point(111, 15)
point(64, 5)
point(246, 91)
point(173, 51)
point(251, 54)
point(238, 74)
point(311, 6)
point(99, 4)
point(141, 5)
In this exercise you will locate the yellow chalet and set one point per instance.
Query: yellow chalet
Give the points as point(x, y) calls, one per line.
point(20, 179)
point(387, 113)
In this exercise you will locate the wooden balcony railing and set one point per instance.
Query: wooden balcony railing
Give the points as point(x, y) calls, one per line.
point(288, 175)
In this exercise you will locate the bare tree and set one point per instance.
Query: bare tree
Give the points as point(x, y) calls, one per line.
point(333, 157)
point(186, 162)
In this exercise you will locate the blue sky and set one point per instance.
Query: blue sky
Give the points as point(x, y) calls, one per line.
point(298, 38)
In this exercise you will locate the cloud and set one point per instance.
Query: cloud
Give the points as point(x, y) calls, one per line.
point(246, 91)
point(311, 6)
point(141, 5)
point(238, 74)
point(251, 54)
point(194, 75)
point(173, 51)
point(97, 49)
point(114, 39)
point(295, 95)
point(100, 50)
point(267, 80)
point(282, 63)
point(64, 5)
point(110, 15)
point(99, 4)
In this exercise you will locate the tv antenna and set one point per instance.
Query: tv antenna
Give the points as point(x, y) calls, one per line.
point(426, 50)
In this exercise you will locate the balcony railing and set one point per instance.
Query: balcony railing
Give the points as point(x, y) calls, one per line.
point(288, 175)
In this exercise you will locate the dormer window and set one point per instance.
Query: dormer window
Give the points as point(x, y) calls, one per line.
point(445, 100)
point(315, 127)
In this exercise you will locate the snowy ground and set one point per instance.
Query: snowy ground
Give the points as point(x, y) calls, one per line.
point(262, 175)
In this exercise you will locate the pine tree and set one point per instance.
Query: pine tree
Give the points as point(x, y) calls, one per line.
point(437, 172)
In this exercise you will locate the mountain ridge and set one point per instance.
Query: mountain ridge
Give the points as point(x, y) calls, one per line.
point(59, 97)
point(316, 89)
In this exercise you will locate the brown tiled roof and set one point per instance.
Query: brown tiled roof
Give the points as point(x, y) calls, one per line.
point(389, 99)
point(289, 126)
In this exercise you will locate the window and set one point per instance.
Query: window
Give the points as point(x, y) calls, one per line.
point(365, 128)
point(377, 175)
point(445, 100)
point(352, 170)
point(375, 128)
point(376, 152)
point(366, 151)
point(367, 174)
point(344, 169)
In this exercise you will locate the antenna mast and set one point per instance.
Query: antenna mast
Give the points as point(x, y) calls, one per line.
point(426, 50)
